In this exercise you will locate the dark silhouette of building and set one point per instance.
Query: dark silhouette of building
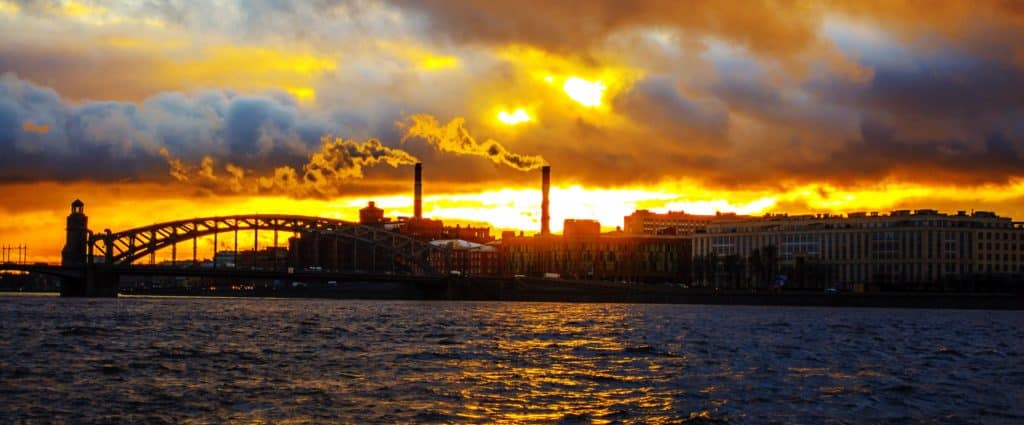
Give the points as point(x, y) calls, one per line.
point(672, 222)
point(76, 245)
point(583, 253)
point(573, 228)
point(470, 258)
point(371, 215)
point(423, 229)
point(269, 258)
point(469, 233)
point(314, 250)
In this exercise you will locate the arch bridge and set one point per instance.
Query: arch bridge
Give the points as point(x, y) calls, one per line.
point(125, 247)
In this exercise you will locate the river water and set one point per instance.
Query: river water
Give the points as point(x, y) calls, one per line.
point(244, 360)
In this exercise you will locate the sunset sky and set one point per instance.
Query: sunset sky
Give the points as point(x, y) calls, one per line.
point(155, 110)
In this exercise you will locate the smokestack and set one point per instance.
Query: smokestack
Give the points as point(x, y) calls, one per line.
point(418, 195)
point(545, 216)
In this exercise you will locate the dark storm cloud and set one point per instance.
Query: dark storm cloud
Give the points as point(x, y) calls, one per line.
point(943, 104)
point(935, 117)
point(73, 70)
point(99, 140)
point(563, 25)
point(657, 104)
point(974, 93)
point(988, 158)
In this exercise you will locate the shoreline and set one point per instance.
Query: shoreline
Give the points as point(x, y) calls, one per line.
point(557, 290)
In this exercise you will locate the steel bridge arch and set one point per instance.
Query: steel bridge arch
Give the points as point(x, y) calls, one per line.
point(126, 246)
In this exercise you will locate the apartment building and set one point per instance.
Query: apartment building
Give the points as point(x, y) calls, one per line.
point(900, 248)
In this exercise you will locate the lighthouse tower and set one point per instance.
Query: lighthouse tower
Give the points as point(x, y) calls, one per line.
point(74, 252)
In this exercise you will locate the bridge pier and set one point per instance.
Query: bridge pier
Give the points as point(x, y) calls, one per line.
point(72, 287)
point(98, 281)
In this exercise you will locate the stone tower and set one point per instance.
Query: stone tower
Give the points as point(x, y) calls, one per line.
point(75, 247)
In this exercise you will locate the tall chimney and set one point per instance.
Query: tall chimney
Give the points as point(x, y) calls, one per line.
point(545, 216)
point(418, 188)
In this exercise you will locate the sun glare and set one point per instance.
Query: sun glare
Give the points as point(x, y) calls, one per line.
point(302, 94)
point(518, 116)
point(435, 63)
point(9, 8)
point(586, 93)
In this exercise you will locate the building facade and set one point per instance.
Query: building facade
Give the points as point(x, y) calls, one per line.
point(371, 215)
point(903, 249)
point(468, 258)
point(618, 257)
point(644, 222)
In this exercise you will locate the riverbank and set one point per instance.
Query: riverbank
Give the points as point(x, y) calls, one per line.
point(557, 290)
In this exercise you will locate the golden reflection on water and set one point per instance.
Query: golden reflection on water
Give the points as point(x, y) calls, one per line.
point(556, 367)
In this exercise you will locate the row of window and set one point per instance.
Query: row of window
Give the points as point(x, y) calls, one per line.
point(772, 227)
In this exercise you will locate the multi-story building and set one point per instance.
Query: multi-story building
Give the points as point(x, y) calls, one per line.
point(480, 235)
point(673, 222)
point(468, 258)
point(371, 215)
point(577, 228)
point(904, 249)
point(584, 253)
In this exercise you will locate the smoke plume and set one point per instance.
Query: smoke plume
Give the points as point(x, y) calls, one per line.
point(336, 162)
point(453, 137)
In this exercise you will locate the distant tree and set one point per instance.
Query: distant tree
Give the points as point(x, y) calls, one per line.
point(756, 266)
point(713, 269)
point(732, 266)
point(699, 270)
point(771, 261)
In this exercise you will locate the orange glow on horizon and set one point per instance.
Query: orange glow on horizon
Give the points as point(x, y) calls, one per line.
point(40, 223)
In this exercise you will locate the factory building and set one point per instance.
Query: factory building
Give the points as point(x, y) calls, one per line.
point(583, 252)
point(923, 249)
point(470, 259)
point(371, 215)
point(317, 250)
point(430, 230)
point(324, 251)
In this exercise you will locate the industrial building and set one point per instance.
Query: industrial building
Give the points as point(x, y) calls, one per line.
point(430, 230)
point(583, 252)
point(901, 250)
point(323, 251)
point(470, 259)
point(612, 256)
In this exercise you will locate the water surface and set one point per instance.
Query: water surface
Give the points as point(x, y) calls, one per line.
point(243, 360)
